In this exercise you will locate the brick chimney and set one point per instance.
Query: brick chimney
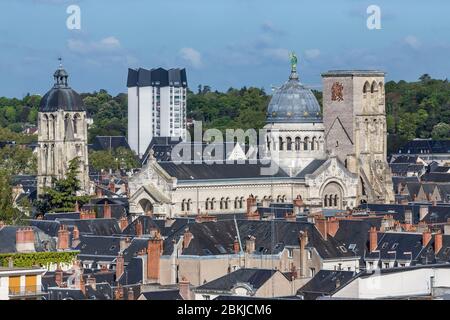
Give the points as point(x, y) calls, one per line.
point(123, 223)
point(119, 266)
point(112, 186)
point(437, 242)
point(252, 212)
point(321, 225)
point(200, 218)
point(63, 238)
point(154, 252)
point(426, 237)
point(106, 210)
point(138, 228)
point(236, 247)
point(303, 239)
point(373, 239)
point(298, 205)
point(185, 289)
point(91, 281)
point(75, 233)
point(124, 243)
point(187, 237)
point(25, 240)
point(333, 226)
point(118, 293)
point(290, 216)
point(250, 244)
point(59, 275)
point(130, 295)
point(99, 192)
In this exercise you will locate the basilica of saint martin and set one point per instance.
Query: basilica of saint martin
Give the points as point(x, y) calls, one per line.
point(334, 161)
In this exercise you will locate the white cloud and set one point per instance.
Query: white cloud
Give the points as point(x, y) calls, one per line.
point(312, 53)
point(279, 54)
point(81, 46)
point(192, 56)
point(412, 41)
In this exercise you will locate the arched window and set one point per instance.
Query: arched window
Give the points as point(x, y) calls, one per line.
point(305, 143)
point(213, 200)
point(325, 201)
point(366, 87)
point(313, 143)
point(268, 144)
point(227, 200)
point(241, 203)
point(44, 126)
point(373, 87)
point(280, 139)
point(207, 204)
point(236, 203)
point(288, 143)
point(297, 143)
point(222, 203)
point(188, 205)
point(335, 200)
point(75, 123)
point(182, 205)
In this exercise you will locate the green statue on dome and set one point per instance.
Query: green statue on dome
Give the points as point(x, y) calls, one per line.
point(293, 58)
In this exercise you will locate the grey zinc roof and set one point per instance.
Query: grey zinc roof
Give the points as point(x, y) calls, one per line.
point(325, 282)
point(311, 168)
point(293, 102)
point(255, 278)
point(193, 171)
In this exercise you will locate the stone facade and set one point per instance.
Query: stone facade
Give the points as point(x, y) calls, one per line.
point(62, 135)
point(355, 129)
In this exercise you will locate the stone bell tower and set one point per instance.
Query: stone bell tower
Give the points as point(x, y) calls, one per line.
point(355, 129)
point(62, 133)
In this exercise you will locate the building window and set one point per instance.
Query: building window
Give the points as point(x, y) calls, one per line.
point(312, 272)
point(309, 252)
point(290, 253)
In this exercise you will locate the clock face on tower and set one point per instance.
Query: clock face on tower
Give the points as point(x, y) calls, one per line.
point(337, 92)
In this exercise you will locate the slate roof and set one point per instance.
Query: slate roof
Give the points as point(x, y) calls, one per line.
point(437, 214)
point(43, 242)
point(255, 278)
point(101, 246)
point(426, 147)
point(158, 77)
point(436, 177)
point(100, 227)
point(108, 143)
point(133, 272)
point(405, 159)
point(49, 227)
point(205, 171)
point(404, 168)
point(311, 168)
point(162, 295)
point(325, 282)
point(397, 245)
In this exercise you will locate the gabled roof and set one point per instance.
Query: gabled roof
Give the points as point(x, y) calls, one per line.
point(403, 246)
point(100, 227)
point(43, 241)
point(162, 295)
point(325, 282)
point(254, 278)
point(436, 177)
point(108, 143)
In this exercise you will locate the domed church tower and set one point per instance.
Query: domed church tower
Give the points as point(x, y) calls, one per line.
point(295, 131)
point(62, 133)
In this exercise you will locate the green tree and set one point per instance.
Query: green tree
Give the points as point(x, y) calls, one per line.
point(63, 196)
point(8, 213)
point(441, 131)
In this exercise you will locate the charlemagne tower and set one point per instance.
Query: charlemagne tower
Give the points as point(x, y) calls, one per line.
point(62, 133)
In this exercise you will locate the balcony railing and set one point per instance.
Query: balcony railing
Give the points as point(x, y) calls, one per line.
point(25, 291)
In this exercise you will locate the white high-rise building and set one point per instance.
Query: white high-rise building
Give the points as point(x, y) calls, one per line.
point(156, 106)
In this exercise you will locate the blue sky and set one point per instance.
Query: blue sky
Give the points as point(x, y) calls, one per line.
point(222, 43)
